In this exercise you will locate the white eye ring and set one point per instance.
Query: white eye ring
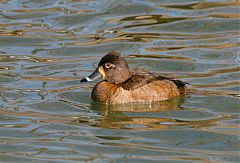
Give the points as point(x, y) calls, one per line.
point(108, 65)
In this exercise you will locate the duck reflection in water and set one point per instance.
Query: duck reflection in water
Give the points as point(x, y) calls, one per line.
point(138, 116)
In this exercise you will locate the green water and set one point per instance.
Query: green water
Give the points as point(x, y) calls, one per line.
point(46, 47)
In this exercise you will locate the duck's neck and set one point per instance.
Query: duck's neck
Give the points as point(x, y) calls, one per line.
point(123, 77)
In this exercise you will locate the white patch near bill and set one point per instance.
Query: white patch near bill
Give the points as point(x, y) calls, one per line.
point(88, 79)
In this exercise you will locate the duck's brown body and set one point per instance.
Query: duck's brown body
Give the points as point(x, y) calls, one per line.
point(105, 92)
point(138, 88)
point(120, 86)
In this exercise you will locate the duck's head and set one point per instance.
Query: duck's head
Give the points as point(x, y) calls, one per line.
point(112, 67)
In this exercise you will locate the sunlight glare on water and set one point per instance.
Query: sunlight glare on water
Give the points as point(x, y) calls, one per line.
point(46, 47)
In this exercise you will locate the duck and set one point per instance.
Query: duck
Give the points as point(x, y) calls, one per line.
point(120, 85)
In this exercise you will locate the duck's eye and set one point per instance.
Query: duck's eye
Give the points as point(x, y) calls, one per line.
point(108, 65)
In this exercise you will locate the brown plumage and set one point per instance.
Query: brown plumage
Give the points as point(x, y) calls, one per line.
point(120, 85)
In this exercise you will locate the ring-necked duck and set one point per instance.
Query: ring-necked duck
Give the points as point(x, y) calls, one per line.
point(120, 85)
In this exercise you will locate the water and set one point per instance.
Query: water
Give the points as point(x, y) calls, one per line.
point(46, 47)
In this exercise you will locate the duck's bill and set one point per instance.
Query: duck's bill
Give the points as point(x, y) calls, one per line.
point(94, 76)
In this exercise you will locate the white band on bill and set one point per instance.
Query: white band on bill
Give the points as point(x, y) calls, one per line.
point(88, 79)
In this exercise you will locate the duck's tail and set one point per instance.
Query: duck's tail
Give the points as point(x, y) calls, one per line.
point(181, 85)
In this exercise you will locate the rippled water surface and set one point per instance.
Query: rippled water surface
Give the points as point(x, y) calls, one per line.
point(46, 47)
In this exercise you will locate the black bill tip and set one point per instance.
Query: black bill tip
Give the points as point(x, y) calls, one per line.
point(83, 80)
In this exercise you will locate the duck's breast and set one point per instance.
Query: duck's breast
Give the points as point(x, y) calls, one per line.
point(103, 92)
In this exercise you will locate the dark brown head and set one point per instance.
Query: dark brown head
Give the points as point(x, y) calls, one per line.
point(112, 67)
